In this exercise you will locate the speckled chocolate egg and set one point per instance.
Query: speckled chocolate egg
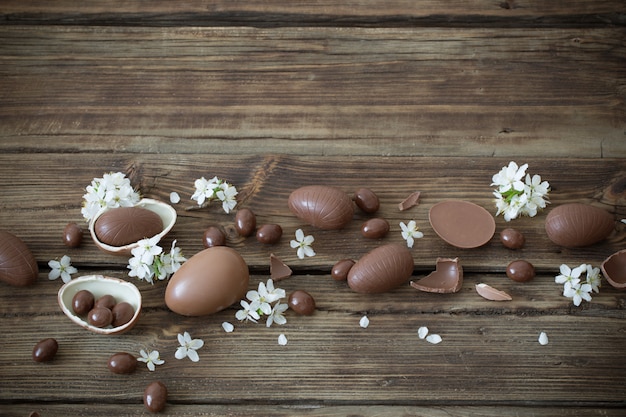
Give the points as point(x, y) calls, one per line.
point(322, 206)
point(577, 225)
point(208, 282)
point(124, 225)
point(18, 266)
point(382, 269)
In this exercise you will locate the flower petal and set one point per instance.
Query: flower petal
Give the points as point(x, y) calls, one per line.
point(364, 322)
point(543, 338)
point(282, 339)
point(433, 338)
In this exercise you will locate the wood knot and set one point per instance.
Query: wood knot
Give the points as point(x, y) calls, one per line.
point(615, 193)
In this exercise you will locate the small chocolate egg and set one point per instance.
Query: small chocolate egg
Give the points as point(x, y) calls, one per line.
point(155, 397)
point(512, 238)
point(341, 268)
point(18, 266)
point(72, 235)
point(245, 222)
point(322, 206)
point(122, 363)
point(122, 313)
point(100, 317)
point(301, 302)
point(577, 225)
point(125, 225)
point(520, 271)
point(45, 350)
point(382, 269)
point(366, 200)
point(82, 302)
point(106, 301)
point(213, 236)
point(208, 282)
point(375, 228)
point(269, 233)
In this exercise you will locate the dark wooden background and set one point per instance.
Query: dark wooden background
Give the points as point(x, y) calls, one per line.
point(396, 96)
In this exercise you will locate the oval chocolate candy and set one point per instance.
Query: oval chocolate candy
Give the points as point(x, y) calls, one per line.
point(125, 225)
point(322, 206)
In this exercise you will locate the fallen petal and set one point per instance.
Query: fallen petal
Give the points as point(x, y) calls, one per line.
point(228, 328)
point(282, 340)
point(433, 338)
point(543, 338)
point(422, 332)
point(491, 293)
point(364, 322)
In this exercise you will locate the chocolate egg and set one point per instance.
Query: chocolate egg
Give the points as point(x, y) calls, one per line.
point(322, 206)
point(375, 228)
point(124, 225)
point(366, 200)
point(45, 350)
point(72, 235)
point(18, 266)
point(269, 233)
point(245, 222)
point(122, 363)
point(461, 223)
point(520, 271)
point(341, 268)
point(614, 269)
point(576, 225)
point(82, 302)
point(122, 313)
point(301, 302)
point(155, 397)
point(512, 238)
point(213, 236)
point(208, 282)
point(382, 269)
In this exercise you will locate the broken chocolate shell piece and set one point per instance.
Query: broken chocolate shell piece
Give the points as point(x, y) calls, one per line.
point(411, 201)
point(278, 269)
point(447, 277)
point(491, 293)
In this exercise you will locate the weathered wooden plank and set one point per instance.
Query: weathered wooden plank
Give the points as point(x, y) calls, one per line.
point(320, 12)
point(41, 193)
point(314, 91)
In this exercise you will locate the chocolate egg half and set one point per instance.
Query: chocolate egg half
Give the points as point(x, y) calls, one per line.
point(382, 269)
point(322, 206)
point(18, 266)
point(208, 282)
point(576, 225)
point(124, 225)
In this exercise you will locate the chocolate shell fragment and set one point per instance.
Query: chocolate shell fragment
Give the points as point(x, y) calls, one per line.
point(447, 277)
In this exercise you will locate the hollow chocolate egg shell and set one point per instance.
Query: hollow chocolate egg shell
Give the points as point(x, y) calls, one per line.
point(382, 269)
point(447, 277)
point(614, 269)
point(166, 213)
point(208, 282)
point(18, 266)
point(322, 206)
point(577, 225)
point(461, 223)
point(98, 285)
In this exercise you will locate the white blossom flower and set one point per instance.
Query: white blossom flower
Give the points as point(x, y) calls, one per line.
point(422, 332)
point(514, 197)
point(543, 338)
point(574, 286)
point(228, 327)
point(227, 195)
point(112, 190)
point(593, 278)
point(282, 339)
point(188, 347)
point(433, 338)
point(149, 261)
point(248, 312)
point(276, 315)
point(410, 232)
point(303, 243)
point(151, 358)
point(364, 322)
point(569, 276)
point(174, 197)
point(62, 268)
point(510, 177)
point(578, 293)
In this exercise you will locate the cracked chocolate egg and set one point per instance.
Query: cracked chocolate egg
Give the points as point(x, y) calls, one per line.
point(614, 269)
point(322, 206)
point(447, 277)
point(208, 282)
point(382, 269)
point(577, 225)
point(18, 266)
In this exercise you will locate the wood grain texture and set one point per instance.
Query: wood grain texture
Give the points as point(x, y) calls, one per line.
point(314, 91)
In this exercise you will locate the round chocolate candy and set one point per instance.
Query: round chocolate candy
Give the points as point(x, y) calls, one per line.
point(100, 317)
point(122, 363)
point(72, 235)
point(155, 397)
point(520, 271)
point(122, 313)
point(245, 222)
point(213, 236)
point(340, 269)
point(302, 302)
point(366, 200)
point(512, 238)
point(269, 233)
point(82, 302)
point(106, 301)
point(375, 228)
point(45, 350)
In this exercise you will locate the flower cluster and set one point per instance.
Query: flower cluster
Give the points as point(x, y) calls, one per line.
point(215, 188)
point(303, 244)
point(112, 190)
point(265, 301)
point(518, 193)
point(62, 268)
point(574, 287)
point(149, 261)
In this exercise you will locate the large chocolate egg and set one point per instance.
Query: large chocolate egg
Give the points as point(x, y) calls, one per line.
point(576, 225)
point(322, 206)
point(124, 225)
point(382, 269)
point(208, 282)
point(18, 266)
